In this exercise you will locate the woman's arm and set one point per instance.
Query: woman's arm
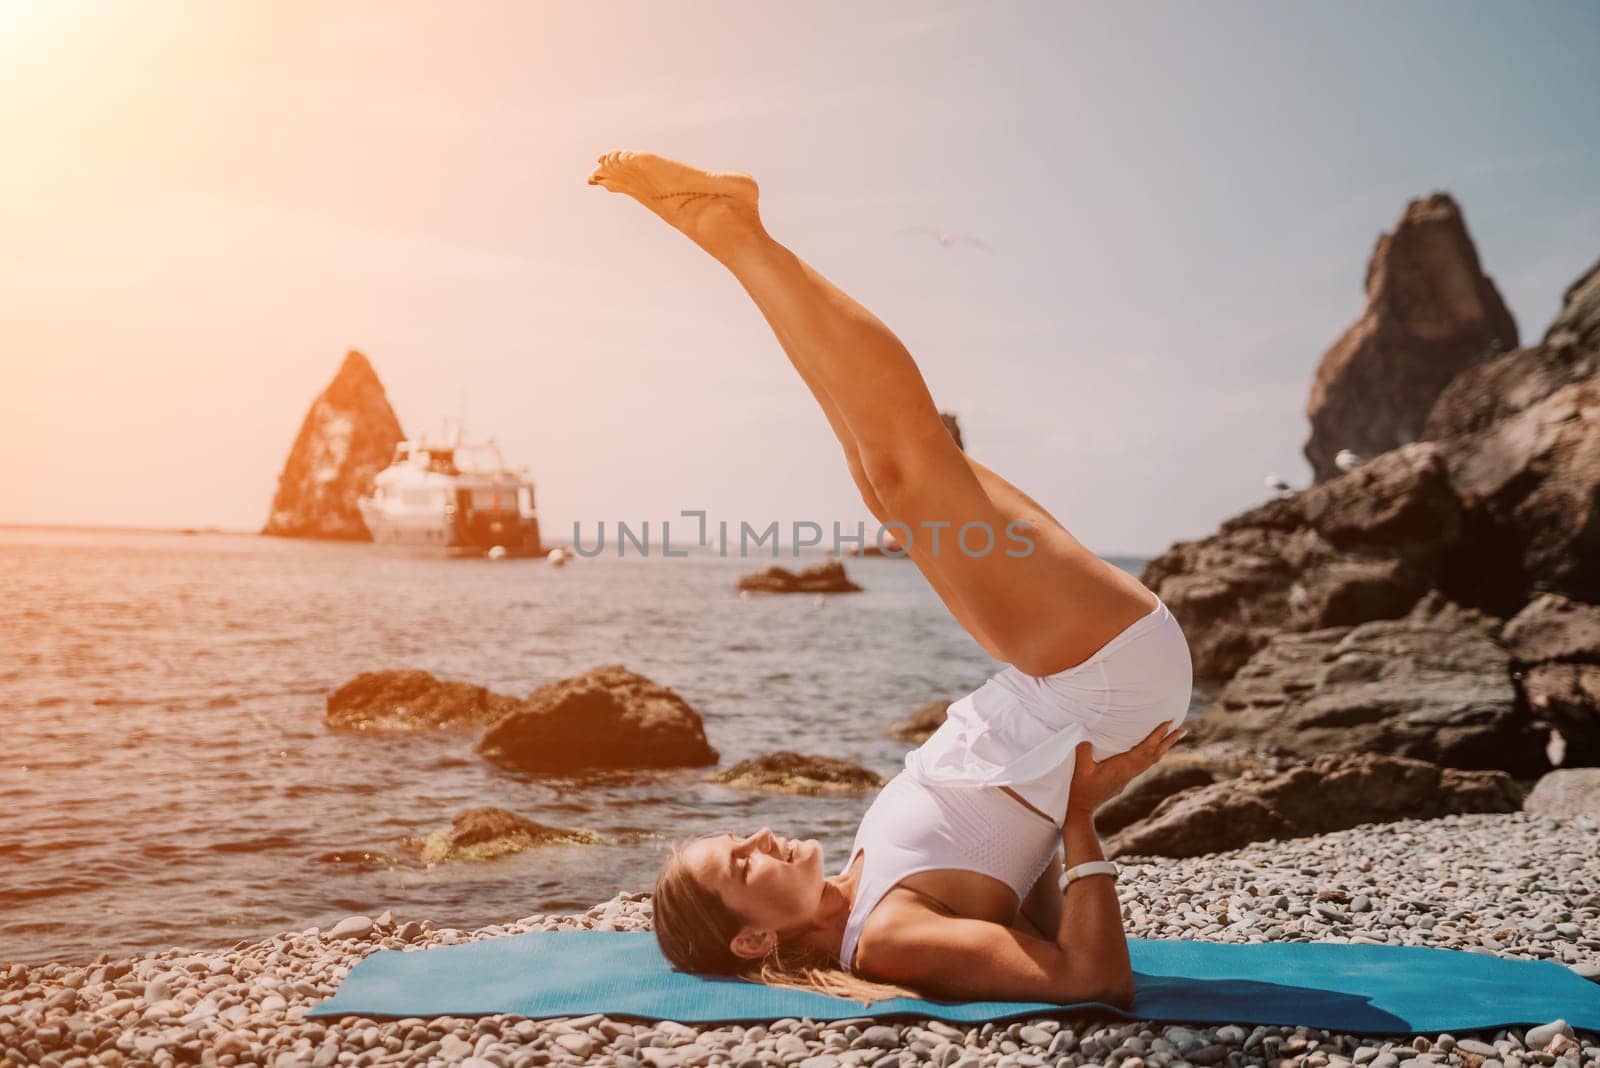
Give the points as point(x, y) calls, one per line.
point(1091, 914)
point(953, 957)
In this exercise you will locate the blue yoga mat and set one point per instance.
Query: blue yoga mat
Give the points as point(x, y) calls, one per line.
point(1353, 988)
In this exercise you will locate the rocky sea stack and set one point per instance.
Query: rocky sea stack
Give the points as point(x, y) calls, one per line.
point(348, 436)
point(1431, 312)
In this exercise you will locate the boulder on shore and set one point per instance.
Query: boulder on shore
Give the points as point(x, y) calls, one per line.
point(1330, 794)
point(348, 436)
point(606, 718)
point(1431, 313)
point(1488, 392)
point(1555, 642)
point(1566, 793)
point(922, 722)
point(488, 832)
point(1175, 773)
point(1435, 686)
point(1555, 628)
point(412, 701)
point(787, 772)
point(826, 577)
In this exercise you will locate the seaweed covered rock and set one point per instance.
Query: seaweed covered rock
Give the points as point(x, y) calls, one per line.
point(606, 718)
point(1331, 793)
point(793, 773)
point(412, 701)
point(488, 832)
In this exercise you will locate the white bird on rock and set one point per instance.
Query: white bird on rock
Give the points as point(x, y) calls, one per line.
point(1279, 487)
point(1348, 460)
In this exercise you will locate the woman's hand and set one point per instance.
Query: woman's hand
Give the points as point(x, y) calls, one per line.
point(1094, 782)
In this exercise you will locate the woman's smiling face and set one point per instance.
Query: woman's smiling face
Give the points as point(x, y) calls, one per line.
point(774, 883)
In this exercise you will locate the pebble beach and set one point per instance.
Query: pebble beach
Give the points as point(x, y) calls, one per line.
point(1511, 885)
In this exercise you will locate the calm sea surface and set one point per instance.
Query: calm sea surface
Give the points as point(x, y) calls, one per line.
point(166, 778)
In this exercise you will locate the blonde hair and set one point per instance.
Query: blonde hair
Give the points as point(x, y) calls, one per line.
point(694, 928)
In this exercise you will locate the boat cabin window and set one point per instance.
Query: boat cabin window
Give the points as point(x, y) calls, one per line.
point(493, 500)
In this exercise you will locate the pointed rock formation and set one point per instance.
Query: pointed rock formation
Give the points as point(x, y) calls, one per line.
point(348, 436)
point(1431, 313)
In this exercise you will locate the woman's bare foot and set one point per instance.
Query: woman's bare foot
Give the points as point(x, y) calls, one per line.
point(716, 211)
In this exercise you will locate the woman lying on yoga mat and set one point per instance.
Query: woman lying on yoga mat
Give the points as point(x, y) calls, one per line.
point(951, 889)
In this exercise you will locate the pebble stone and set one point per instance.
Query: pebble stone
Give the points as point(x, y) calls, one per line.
point(1511, 885)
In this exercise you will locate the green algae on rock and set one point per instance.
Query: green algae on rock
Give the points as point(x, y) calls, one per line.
point(488, 832)
point(787, 772)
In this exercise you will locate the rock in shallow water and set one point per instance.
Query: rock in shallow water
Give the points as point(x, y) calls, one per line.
point(793, 773)
point(412, 700)
point(826, 577)
point(921, 723)
point(348, 436)
point(488, 832)
point(606, 718)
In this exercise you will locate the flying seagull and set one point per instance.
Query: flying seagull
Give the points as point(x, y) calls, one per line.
point(945, 239)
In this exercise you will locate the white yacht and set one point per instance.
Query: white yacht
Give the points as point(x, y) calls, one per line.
point(461, 498)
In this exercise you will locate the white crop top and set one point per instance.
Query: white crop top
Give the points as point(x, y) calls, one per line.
point(913, 827)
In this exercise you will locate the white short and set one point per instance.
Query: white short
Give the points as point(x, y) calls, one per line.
point(1021, 730)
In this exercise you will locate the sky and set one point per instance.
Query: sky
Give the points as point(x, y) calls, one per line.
point(202, 207)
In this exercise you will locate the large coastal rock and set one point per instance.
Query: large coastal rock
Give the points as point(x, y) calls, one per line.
point(1554, 628)
point(348, 436)
point(1329, 794)
point(1435, 685)
point(1555, 643)
point(1523, 435)
point(1502, 506)
point(1488, 392)
point(826, 577)
point(1531, 483)
point(1431, 312)
point(1565, 793)
point(412, 701)
point(1567, 697)
point(488, 832)
point(786, 772)
point(1362, 546)
point(606, 718)
point(1176, 772)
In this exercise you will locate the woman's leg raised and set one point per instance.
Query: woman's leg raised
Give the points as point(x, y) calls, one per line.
point(1043, 610)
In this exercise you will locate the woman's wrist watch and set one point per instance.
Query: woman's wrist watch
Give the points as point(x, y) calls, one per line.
point(1089, 867)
